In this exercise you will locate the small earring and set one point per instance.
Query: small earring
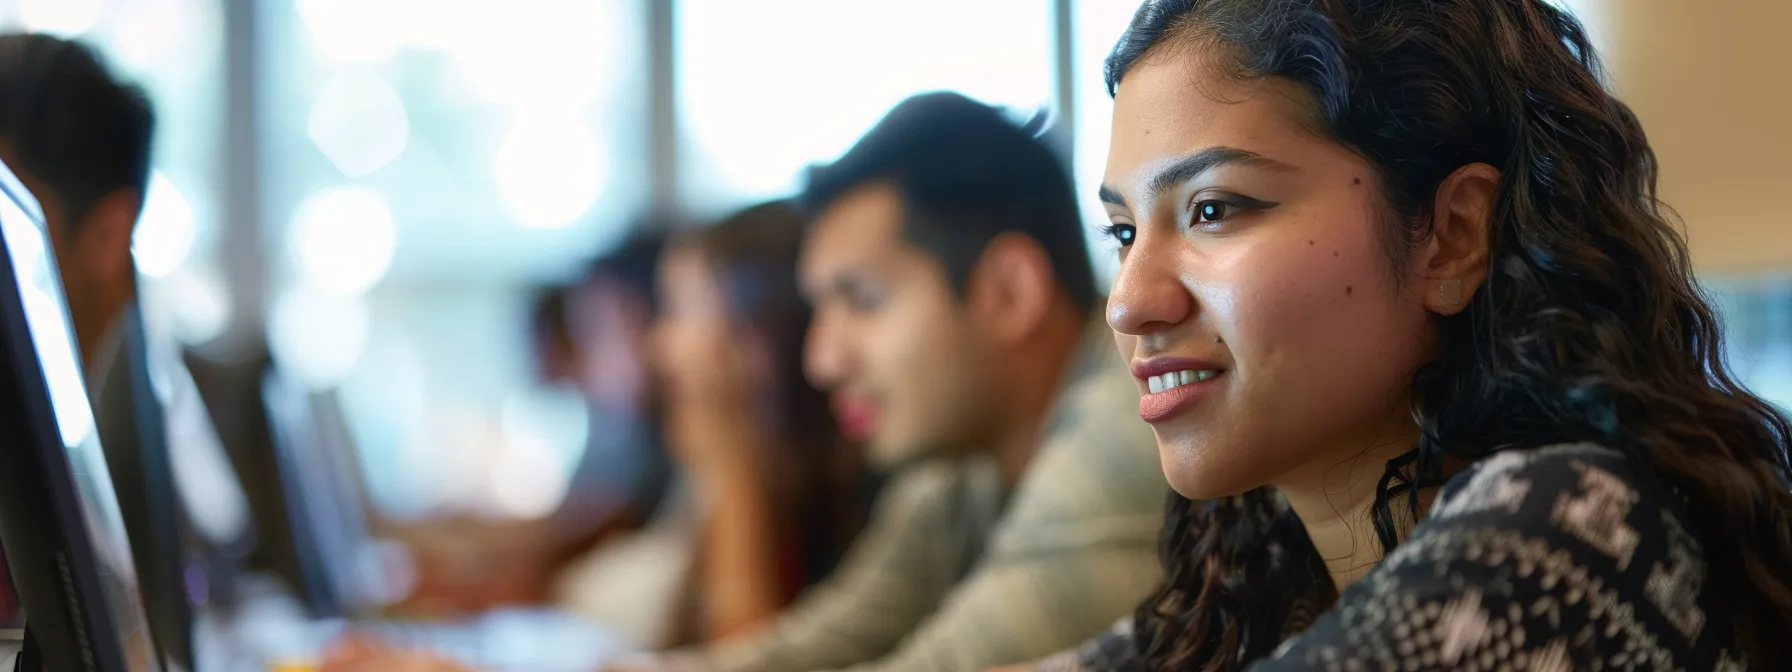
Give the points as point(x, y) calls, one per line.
point(1450, 291)
point(1217, 339)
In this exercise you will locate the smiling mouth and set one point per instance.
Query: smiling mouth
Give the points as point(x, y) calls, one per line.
point(1174, 379)
point(1171, 394)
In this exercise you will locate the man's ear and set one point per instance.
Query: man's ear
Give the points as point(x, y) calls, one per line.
point(1011, 288)
point(102, 243)
point(1454, 261)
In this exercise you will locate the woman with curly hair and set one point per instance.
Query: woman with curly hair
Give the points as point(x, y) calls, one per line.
point(1427, 366)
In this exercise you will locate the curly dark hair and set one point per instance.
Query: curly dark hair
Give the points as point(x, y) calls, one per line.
point(1590, 326)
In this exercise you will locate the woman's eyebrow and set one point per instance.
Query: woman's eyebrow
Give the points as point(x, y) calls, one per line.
point(1192, 166)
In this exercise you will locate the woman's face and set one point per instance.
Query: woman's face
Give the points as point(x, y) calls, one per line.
point(1253, 276)
point(693, 314)
point(698, 350)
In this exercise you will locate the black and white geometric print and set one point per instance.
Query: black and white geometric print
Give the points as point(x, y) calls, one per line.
point(1552, 559)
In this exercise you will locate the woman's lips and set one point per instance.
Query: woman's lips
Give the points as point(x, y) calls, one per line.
point(1155, 407)
point(1173, 384)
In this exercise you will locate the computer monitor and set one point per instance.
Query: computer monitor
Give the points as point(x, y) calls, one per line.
point(65, 537)
point(134, 431)
point(334, 553)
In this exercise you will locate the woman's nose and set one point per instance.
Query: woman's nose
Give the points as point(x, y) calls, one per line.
point(1148, 295)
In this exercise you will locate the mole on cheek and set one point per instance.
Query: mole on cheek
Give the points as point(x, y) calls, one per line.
point(1356, 180)
point(1334, 253)
point(1309, 243)
point(1348, 290)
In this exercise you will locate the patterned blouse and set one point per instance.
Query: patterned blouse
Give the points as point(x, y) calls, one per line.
point(1564, 558)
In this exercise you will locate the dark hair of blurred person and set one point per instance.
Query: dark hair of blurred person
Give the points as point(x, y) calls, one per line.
point(556, 359)
point(782, 491)
point(965, 175)
point(80, 140)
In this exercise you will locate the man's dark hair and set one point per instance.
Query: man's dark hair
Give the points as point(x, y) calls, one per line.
point(966, 174)
point(72, 125)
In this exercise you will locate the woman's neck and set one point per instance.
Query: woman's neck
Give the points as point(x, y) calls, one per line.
point(1334, 497)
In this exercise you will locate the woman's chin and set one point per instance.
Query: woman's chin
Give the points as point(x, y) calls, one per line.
point(1198, 478)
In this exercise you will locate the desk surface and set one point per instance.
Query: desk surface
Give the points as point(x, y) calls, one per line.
point(270, 626)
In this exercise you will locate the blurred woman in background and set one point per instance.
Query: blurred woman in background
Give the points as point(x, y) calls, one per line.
point(778, 490)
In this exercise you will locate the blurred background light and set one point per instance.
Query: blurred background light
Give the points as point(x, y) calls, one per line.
point(156, 37)
point(384, 404)
point(359, 122)
point(67, 18)
point(529, 477)
point(165, 231)
point(748, 73)
point(550, 169)
point(317, 336)
point(343, 239)
point(558, 417)
point(539, 54)
point(354, 31)
point(198, 303)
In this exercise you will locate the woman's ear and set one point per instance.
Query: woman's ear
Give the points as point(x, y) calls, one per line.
point(1454, 263)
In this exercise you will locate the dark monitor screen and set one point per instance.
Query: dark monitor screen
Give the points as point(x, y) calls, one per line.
point(69, 554)
point(133, 430)
point(330, 540)
point(12, 616)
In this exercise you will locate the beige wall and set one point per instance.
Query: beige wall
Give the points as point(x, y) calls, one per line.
point(1712, 82)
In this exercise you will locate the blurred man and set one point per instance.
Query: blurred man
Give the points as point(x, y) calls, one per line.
point(80, 141)
point(957, 324)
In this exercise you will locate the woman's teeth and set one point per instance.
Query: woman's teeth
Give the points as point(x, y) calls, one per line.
point(1175, 379)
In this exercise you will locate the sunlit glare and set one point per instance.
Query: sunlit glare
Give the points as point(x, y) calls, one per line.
point(197, 304)
point(67, 18)
point(465, 447)
point(750, 98)
point(156, 37)
point(317, 336)
point(41, 293)
point(546, 54)
point(383, 404)
point(529, 479)
point(343, 239)
point(359, 122)
point(165, 230)
point(353, 31)
point(550, 169)
point(559, 416)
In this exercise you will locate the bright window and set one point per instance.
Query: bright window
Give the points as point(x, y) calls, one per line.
point(767, 88)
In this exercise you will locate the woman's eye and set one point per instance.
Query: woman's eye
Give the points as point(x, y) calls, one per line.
point(1121, 233)
point(1211, 211)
